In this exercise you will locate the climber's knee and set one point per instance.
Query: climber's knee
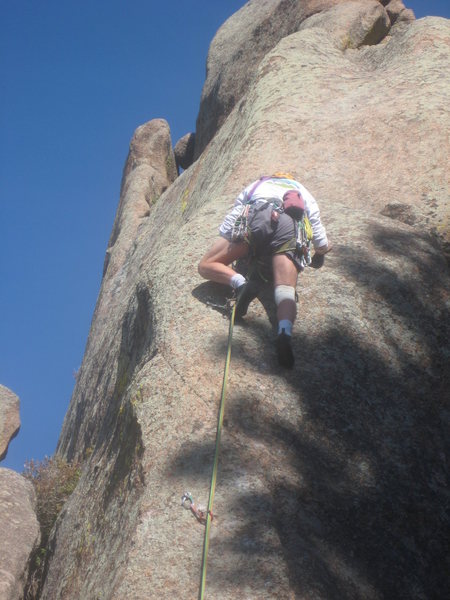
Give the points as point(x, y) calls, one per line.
point(284, 292)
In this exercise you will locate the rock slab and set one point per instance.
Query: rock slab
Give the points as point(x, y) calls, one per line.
point(184, 151)
point(19, 530)
point(251, 33)
point(9, 418)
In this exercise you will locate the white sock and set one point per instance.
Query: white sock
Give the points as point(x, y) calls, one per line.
point(286, 325)
point(237, 280)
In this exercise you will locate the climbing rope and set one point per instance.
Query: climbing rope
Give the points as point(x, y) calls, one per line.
point(209, 515)
point(205, 515)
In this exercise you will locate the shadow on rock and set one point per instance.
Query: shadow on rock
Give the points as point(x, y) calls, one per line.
point(214, 295)
point(367, 513)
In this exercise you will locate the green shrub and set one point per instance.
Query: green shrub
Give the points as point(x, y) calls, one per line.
point(54, 479)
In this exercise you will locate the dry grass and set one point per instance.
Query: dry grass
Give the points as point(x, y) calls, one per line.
point(54, 479)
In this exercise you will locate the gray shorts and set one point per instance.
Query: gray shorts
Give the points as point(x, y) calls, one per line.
point(269, 232)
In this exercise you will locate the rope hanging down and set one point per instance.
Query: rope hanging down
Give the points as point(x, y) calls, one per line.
point(216, 459)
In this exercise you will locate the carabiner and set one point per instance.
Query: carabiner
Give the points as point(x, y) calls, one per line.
point(185, 497)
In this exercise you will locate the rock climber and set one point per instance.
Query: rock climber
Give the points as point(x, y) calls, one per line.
point(267, 222)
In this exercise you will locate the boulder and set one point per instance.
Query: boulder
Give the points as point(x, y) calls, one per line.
point(149, 170)
point(236, 50)
point(184, 151)
point(398, 12)
point(333, 476)
point(352, 24)
point(248, 35)
point(9, 418)
point(20, 532)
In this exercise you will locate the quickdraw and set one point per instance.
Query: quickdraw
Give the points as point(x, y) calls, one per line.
point(239, 232)
point(199, 512)
point(304, 237)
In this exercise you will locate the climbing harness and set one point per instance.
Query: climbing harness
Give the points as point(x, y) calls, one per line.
point(293, 204)
point(240, 231)
point(206, 515)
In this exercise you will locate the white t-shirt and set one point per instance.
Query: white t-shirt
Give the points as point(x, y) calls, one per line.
point(276, 188)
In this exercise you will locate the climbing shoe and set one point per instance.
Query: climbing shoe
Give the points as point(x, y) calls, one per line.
point(245, 293)
point(284, 350)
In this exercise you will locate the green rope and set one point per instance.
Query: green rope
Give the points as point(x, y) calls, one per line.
point(216, 459)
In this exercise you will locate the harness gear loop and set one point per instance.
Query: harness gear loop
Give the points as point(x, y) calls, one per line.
point(216, 458)
point(303, 242)
point(240, 230)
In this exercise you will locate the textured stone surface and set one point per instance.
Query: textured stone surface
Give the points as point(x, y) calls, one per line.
point(248, 35)
point(9, 418)
point(20, 532)
point(333, 477)
point(236, 50)
point(149, 170)
point(352, 24)
point(184, 151)
point(397, 11)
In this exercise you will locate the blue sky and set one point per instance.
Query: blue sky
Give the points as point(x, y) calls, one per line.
point(77, 79)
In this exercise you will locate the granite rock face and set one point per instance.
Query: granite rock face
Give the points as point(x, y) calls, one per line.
point(397, 11)
point(332, 480)
point(236, 50)
point(9, 418)
point(246, 37)
point(149, 170)
point(20, 532)
point(184, 151)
